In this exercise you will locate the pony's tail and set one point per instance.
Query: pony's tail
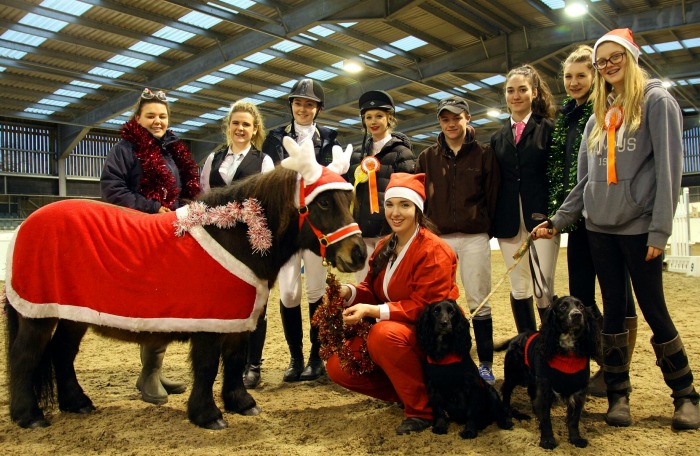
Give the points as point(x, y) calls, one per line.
point(11, 328)
point(43, 379)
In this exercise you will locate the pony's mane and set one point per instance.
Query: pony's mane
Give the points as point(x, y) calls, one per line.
point(274, 190)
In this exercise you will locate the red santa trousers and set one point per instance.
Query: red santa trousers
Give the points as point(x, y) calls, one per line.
point(399, 374)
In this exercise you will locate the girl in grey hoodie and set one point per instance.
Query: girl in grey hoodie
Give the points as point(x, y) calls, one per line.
point(631, 159)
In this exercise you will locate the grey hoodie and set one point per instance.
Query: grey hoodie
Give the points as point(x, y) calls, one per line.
point(649, 164)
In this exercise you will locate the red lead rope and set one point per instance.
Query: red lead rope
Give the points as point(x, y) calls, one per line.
point(323, 240)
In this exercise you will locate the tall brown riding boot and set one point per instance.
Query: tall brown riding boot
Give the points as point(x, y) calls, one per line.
point(596, 385)
point(616, 371)
point(673, 361)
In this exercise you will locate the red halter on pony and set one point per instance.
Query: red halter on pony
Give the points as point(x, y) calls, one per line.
point(316, 179)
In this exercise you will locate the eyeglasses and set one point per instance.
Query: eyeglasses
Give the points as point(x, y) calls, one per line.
point(148, 95)
point(614, 59)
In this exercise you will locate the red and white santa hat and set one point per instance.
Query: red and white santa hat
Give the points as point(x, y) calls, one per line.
point(328, 180)
point(623, 37)
point(408, 186)
point(317, 178)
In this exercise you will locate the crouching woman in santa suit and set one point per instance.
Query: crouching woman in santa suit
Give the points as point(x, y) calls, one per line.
point(410, 269)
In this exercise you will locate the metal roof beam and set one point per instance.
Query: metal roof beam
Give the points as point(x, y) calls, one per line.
point(102, 26)
point(218, 56)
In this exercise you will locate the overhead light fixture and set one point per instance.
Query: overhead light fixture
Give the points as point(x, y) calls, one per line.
point(353, 66)
point(666, 83)
point(575, 8)
point(493, 112)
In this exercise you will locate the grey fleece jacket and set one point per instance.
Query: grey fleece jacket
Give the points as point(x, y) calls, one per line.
point(649, 165)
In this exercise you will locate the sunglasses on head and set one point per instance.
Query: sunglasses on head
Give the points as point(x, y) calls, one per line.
point(148, 95)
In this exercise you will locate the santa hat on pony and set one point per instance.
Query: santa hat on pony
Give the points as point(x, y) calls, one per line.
point(623, 37)
point(408, 186)
point(317, 178)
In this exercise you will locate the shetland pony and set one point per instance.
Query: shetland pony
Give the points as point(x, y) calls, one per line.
point(44, 334)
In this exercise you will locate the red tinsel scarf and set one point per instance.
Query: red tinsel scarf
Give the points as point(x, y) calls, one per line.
point(157, 182)
point(336, 337)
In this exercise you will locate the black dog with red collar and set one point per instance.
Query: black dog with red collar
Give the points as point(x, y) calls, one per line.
point(554, 362)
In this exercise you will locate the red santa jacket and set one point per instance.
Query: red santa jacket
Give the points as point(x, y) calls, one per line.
point(422, 275)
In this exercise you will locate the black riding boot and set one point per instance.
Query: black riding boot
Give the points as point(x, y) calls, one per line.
point(314, 368)
point(293, 332)
point(483, 335)
point(596, 384)
point(523, 313)
point(673, 361)
point(542, 312)
point(616, 367)
point(256, 342)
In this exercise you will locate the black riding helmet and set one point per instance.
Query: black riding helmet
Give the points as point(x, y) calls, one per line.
point(309, 89)
point(375, 99)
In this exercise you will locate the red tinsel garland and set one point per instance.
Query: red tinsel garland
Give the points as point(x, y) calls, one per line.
point(157, 182)
point(335, 336)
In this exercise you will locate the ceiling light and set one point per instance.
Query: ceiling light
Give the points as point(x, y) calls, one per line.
point(493, 112)
point(575, 8)
point(353, 66)
point(666, 83)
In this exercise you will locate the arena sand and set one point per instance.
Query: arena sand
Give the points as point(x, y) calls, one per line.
point(320, 418)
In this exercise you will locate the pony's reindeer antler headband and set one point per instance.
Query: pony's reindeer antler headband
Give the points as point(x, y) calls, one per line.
point(302, 159)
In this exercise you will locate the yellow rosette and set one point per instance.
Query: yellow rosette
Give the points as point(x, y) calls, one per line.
point(370, 166)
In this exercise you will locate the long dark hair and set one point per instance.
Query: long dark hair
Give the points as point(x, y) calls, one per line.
point(542, 104)
point(387, 252)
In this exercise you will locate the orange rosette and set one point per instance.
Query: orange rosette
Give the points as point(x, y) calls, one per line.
point(370, 166)
point(613, 121)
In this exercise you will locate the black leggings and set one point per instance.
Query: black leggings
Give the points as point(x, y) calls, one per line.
point(582, 273)
point(611, 253)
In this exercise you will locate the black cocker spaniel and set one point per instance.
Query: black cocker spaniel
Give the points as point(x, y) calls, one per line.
point(455, 389)
point(553, 363)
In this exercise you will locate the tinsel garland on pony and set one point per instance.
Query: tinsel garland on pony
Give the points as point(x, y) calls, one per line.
point(157, 182)
point(335, 336)
point(558, 189)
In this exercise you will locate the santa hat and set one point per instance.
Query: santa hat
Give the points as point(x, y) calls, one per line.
point(408, 186)
point(317, 178)
point(623, 37)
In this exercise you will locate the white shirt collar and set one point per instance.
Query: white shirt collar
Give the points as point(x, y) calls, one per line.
point(378, 145)
point(525, 120)
point(240, 154)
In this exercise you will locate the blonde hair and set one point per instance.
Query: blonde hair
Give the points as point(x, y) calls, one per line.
point(582, 54)
point(391, 121)
point(631, 100)
point(245, 106)
point(543, 103)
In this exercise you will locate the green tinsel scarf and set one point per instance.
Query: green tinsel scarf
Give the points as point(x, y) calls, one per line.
point(558, 189)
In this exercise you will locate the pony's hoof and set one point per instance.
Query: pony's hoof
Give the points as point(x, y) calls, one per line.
point(253, 411)
point(37, 424)
point(86, 409)
point(216, 425)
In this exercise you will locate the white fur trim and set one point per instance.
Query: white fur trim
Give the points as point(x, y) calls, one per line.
point(322, 188)
point(407, 193)
point(619, 40)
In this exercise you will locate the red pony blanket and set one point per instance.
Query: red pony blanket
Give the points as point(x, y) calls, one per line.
point(97, 263)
